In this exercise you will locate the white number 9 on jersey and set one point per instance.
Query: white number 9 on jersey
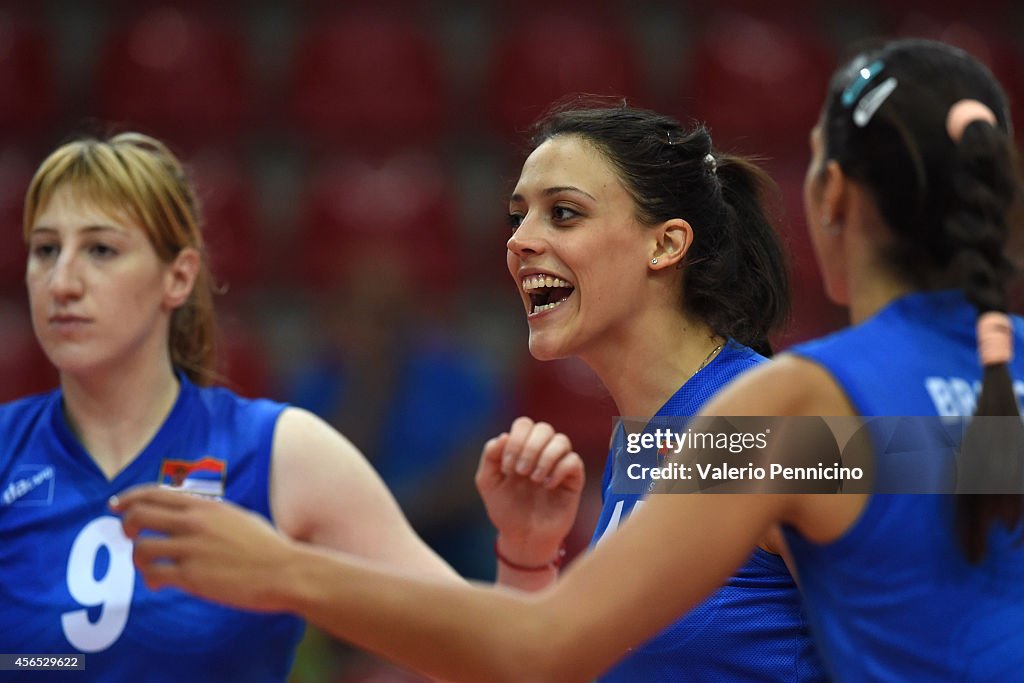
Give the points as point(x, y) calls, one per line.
point(112, 592)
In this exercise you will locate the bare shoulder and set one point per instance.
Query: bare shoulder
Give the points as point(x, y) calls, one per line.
point(311, 463)
point(298, 430)
point(791, 385)
point(786, 385)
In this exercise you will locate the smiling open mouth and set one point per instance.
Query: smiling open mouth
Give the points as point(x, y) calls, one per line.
point(546, 291)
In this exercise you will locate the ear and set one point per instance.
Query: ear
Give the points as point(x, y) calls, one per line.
point(674, 238)
point(834, 195)
point(181, 277)
point(832, 241)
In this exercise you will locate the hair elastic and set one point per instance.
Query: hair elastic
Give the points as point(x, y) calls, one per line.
point(965, 112)
point(995, 338)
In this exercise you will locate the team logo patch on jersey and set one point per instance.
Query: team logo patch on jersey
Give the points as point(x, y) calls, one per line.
point(29, 485)
point(204, 476)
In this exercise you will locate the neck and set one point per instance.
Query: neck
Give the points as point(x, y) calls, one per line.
point(872, 286)
point(871, 283)
point(647, 362)
point(115, 414)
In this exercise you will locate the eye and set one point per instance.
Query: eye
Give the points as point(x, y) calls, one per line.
point(515, 220)
point(45, 251)
point(101, 250)
point(561, 214)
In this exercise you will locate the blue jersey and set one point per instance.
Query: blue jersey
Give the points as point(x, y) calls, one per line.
point(893, 599)
point(753, 628)
point(67, 582)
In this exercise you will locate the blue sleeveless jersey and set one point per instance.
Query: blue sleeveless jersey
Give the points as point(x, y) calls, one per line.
point(67, 582)
point(753, 628)
point(893, 599)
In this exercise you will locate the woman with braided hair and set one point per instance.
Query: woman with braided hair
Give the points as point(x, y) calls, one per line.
point(909, 198)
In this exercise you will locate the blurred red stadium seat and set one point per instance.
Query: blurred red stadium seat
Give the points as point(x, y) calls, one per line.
point(231, 224)
point(24, 368)
point(986, 34)
point(242, 360)
point(15, 175)
point(376, 210)
point(542, 56)
point(569, 396)
point(1000, 11)
point(28, 107)
point(757, 80)
point(775, 8)
point(369, 80)
point(178, 73)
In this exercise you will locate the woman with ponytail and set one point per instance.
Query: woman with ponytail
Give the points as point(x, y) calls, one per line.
point(909, 197)
point(646, 252)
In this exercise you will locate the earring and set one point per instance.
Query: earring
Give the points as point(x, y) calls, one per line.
point(828, 227)
point(654, 261)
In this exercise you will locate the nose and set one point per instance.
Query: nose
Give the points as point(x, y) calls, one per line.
point(65, 282)
point(526, 240)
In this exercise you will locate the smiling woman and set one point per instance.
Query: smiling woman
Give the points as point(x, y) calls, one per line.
point(642, 250)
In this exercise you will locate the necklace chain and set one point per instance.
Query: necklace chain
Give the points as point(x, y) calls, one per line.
point(707, 359)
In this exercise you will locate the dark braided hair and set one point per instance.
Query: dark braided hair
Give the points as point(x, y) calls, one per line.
point(947, 202)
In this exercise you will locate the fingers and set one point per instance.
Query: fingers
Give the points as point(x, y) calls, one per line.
point(531, 449)
point(158, 576)
point(144, 516)
point(488, 471)
point(556, 448)
point(568, 473)
point(518, 434)
point(527, 440)
point(152, 494)
point(149, 551)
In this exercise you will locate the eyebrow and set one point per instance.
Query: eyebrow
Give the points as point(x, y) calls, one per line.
point(547, 192)
point(99, 227)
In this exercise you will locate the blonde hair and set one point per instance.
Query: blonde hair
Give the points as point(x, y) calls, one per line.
point(138, 175)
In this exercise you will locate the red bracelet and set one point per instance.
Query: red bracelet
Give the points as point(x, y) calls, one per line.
point(553, 564)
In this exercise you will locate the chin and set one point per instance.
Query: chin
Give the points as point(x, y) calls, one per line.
point(837, 294)
point(542, 349)
point(71, 361)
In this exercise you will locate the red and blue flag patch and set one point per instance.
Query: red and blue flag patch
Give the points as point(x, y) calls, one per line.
point(205, 476)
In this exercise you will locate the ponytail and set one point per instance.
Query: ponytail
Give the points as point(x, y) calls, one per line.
point(985, 187)
point(745, 254)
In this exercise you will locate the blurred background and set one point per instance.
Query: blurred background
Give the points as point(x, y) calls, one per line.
point(354, 160)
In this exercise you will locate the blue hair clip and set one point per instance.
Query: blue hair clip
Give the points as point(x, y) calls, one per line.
point(865, 75)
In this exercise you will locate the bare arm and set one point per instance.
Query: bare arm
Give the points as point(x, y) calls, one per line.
point(642, 578)
point(323, 491)
point(573, 631)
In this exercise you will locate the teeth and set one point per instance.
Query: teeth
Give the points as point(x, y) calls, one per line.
point(538, 281)
point(547, 307)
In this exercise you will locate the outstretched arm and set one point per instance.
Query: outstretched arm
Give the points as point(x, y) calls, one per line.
point(672, 553)
point(641, 579)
